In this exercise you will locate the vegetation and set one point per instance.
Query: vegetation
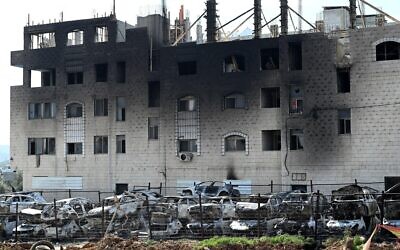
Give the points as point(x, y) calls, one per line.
point(218, 242)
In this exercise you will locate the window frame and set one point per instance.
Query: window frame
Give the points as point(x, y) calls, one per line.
point(79, 110)
point(235, 96)
point(153, 128)
point(236, 139)
point(103, 140)
point(75, 146)
point(191, 145)
point(120, 144)
point(344, 121)
point(120, 115)
point(296, 139)
point(42, 146)
point(100, 107)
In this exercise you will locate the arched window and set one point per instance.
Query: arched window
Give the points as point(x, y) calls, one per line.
point(235, 101)
point(234, 63)
point(74, 110)
point(187, 103)
point(388, 51)
point(235, 143)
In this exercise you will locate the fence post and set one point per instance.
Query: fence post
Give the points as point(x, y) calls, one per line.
point(316, 214)
point(311, 186)
point(272, 186)
point(16, 222)
point(201, 216)
point(382, 205)
point(160, 187)
point(149, 216)
point(149, 186)
point(55, 218)
point(102, 218)
point(69, 193)
point(355, 181)
point(99, 193)
point(258, 216)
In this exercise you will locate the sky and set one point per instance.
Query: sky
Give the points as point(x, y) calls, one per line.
point(15, 15)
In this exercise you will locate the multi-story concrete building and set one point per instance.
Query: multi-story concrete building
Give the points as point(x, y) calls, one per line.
point(113, 110)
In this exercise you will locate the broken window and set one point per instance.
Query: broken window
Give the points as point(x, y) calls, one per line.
point(271, 140)
point(187, 103)
point(388, 51)
point(270, 98)
point(234, 63)
point(269, 59)
point(74, 110)
point(43, 40)
point(344, 121)
point(101, 107)
point(188, 145)
point(101, 35)
point(75, 37)
point(154, 94)
point(235, 143)
point(48, 77)
point(120, 188)
point(41, 110)
point(101, 145)
point(101, 72)
point(74, 78)
point(296, 100)
point(153, 125)
point(235, 101)
point(296, 139)
point(74, 148)
point(121, 72)
point(343, 80)
point(187, 68)
point(41, 146)
point(121, 144)
point(295, 56)
point(121, 105)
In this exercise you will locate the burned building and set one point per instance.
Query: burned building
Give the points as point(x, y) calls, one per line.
point(117, 106)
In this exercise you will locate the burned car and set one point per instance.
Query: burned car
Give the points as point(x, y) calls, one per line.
point(391, 205)
point(164, 220)
point(71, 208)
point(353, 207)
point(8, 202)
point(211, 216)
point(182, 203)
point(212, 188)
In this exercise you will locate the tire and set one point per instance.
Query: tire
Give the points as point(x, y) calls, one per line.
point(41, 244)
point(223, 193)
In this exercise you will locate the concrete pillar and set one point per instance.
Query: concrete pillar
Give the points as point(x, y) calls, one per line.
point(284, 17)
point(211, 21)
point(257, 19)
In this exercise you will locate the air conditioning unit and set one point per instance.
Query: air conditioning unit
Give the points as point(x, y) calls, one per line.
point(185, 156)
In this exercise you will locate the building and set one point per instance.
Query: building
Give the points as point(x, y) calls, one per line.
point(112, 112)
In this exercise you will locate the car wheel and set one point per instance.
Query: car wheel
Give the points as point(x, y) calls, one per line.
point(223, 193)
point(43, 244)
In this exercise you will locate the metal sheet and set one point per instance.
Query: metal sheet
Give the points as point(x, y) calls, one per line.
point(57, 183)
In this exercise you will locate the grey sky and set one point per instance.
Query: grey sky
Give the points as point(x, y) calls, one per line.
point(15, 12)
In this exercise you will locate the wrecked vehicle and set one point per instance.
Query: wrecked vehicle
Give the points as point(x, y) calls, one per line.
point(211, 189)
point(71, 208)
point(211, 216)
point(164, 220)
point(228, 206)
point(391, 206)
point(182, 203)
point(8, 202)
point(353, 207)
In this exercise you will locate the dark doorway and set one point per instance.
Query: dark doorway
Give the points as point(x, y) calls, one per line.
point(302, 188)
point(121, 188)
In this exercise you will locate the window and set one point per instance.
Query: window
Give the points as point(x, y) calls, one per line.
point(43, 40)
point(388, 51)
point(344, 121)
point(296, 139)
point(101, 35)
point(235, 101)
point(74, 148)
point(187, 68)
point(296, 100)
point(121, 144)
point(270, 98)
point(187, 103)
point(343, 80)
point(48, 77)
point(271, 140)
point(299, 176)
point(101, 107)
point(41, 110)
point(41, 146)
point(75, 38)
point(153, 124)
point(101, 72)
point(101, 145)
point(295, 56)
point(188, 145)
point(74, 110)
point(154, 94)
point(235, 143)
point(269, 59)
point(234, 63)
point(74, 78)
point(121, 72)
point(121, 108)
point(120, 188)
